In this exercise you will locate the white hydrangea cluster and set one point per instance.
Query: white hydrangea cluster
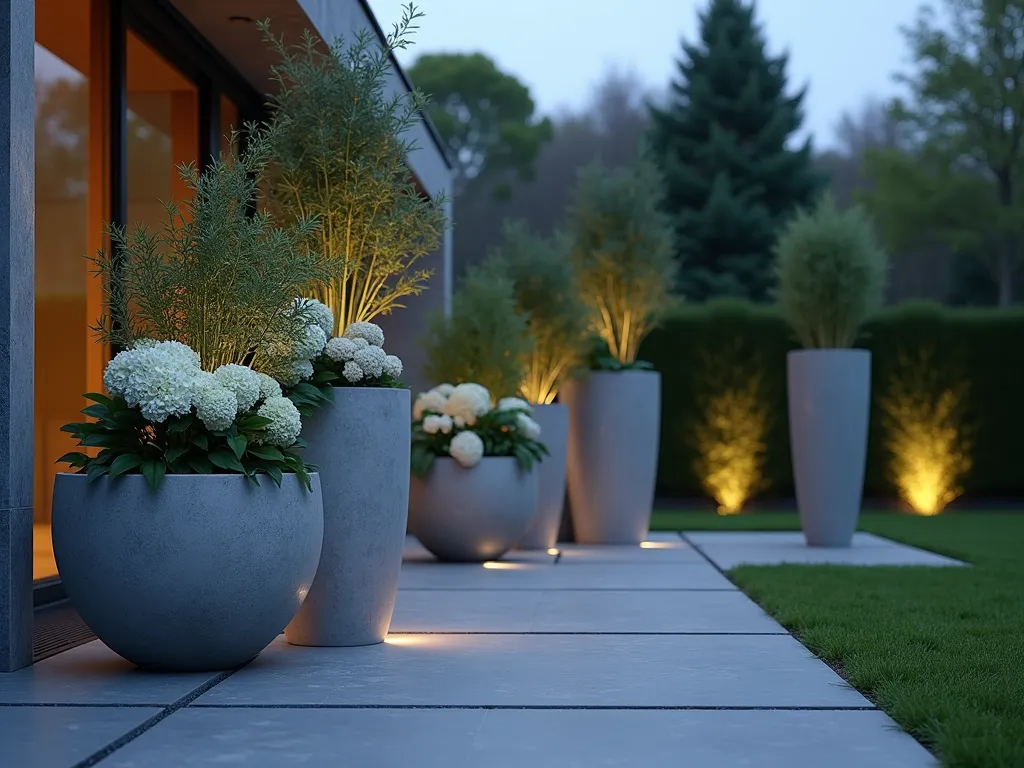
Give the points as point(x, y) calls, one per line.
point(428, 402)
point(243, 382)
point(216, 405)
point(269, 387)
point(467, 448)
point(285, 421)
point(529, 427)
point(318, 313)
point(361, 354)
point(514, 404)
point(466, 403)
point(320, 323)
point(433, 423)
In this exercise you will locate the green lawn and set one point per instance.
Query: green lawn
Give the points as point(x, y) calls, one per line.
point(941, 650)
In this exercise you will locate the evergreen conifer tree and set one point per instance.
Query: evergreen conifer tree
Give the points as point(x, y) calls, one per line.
point(721, 142)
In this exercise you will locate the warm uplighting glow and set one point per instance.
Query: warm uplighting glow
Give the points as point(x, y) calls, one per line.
point(494, 565)
point(552, 551)
point(730, 442)
point(658, 545)
point(927, 441)
point(406, 640)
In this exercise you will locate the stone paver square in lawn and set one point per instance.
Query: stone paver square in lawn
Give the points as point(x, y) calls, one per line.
point(326, 738)
point(543, 670)
point(579, 611)
point(503, 575)
point(57, 737)
point(93, 674)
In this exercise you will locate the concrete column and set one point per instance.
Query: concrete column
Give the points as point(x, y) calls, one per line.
point(17, 338)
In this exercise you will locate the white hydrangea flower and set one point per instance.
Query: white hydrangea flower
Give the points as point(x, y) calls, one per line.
point(459, 421)
point(514, 404)
point(318, 313)
point(529, 427)
point(243, 381)
point(434, 424)
point(311, 344)
point(431, 401)
point(269, 387)
point(215, 404)
point(371, 360)
point(360, 343)
point(285, 421)
point(299, 371)
point(467, 449)
point(443, 389)
point(352, 372)
point(370, 332)
point(156, 379)
point(393, 366)
point(468, 401)
point(340, 349)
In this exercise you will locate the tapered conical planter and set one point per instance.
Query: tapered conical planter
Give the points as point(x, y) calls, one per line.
point(829, 407)
point(473, 515)
point(360, 443)
point(200, 575)
point(614, 424)
point(554, 433)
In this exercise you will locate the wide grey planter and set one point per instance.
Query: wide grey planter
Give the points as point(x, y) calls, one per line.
point(476, 514)
point(829, 406)
point(614, 425)
point(360, 443)
point(554, 433)
point(200, 575)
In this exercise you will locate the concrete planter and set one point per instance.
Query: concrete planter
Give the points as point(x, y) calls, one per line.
point(614, 423)
point(554, 433)
point(199, 575)
point(473, 515)
point(360, 443)
point(829, 404)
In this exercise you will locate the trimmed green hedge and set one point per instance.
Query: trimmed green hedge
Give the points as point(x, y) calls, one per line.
point(704, 348)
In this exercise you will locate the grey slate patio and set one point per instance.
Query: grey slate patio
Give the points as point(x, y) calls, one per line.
point(592, 657)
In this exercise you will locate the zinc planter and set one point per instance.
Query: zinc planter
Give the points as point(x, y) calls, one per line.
point(360, 443)
point(199, 575)
point(554, 433)
point(829, 403)
point(614, 424)
point(473, 515)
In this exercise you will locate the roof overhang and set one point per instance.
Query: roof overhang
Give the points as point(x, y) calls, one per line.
point(224, 24)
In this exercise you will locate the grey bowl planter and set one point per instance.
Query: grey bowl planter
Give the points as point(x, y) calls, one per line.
point(829, 404)
point(614, 424)
point(554, 433)
point(199, 575)
point(473, 515)
point(360, 443)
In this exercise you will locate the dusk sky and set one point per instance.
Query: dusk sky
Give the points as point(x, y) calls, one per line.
point(846, 50)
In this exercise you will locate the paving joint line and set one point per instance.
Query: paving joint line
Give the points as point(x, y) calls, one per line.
point(549, 707)
point(783, 633)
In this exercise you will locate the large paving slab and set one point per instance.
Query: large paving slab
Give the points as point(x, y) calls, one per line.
point(532, 611)
point(93, 674)
point(416, 553)
point(327, 738)
point(508, 575)
point(543, 670)
point(55, 737)
point(649, 553)
point(728, 550)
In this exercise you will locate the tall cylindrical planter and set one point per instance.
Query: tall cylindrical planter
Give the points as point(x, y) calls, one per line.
point(476, 514)
point(554, 433)
point(614, 425)
point(200, 575)
point(360, 443)
point(829, 408)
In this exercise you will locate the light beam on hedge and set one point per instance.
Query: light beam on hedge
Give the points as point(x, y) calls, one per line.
point(926, 435)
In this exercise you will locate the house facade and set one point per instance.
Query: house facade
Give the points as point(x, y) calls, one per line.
point(101, 100)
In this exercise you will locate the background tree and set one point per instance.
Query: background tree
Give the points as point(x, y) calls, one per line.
point(964, 113)
point(722, 141)
point(486, 118)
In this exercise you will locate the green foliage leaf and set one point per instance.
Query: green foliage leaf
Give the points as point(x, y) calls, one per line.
point(201, 465)
point(174, 453)
point(238, 445)
point(124, 463)
point(154, 471)
point(253, 423)
point(266, 452)
point(226, 460)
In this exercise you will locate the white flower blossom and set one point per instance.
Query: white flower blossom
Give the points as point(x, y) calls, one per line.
point(156, 379)
point(443, 389)
point(215, 404)
point(285, 421)
point(360, 343)
point(352, 372)
point(514, 404)
point(393, 366)
point(467, 449)
point(431, 402)
point(371, 360)
point(318, 313)
point(300, 371)
point(269, 387)
point(312, 343)
point(370, 332)
point(340, 350)
point(243, 381)
point(459, 422)
point(433, 424)
point(529, 427)
point(468, 401)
